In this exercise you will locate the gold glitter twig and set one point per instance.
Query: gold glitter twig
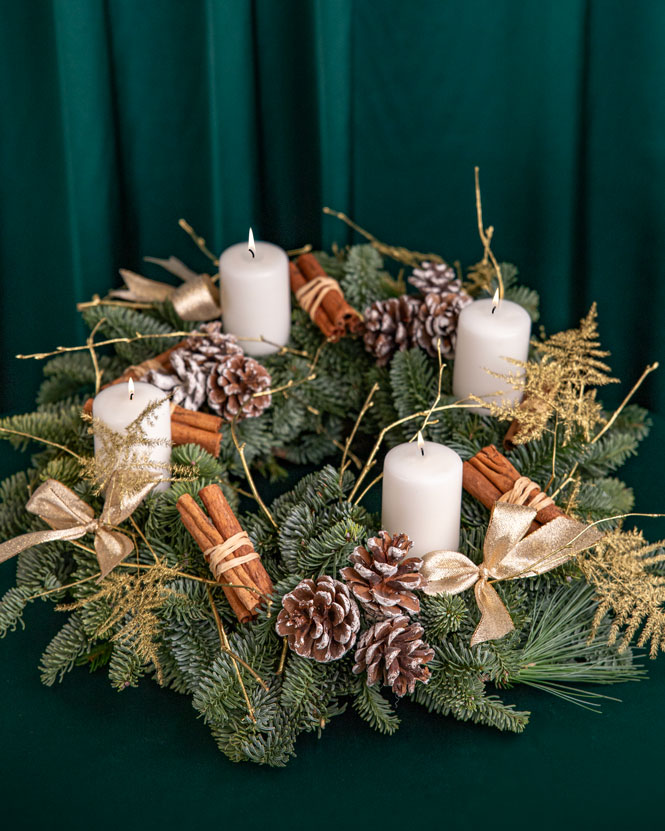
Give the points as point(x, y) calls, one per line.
point(486, 234)
point(93, 355)
point(457, 405)
point(401, 255)
point(347, 446)
point(625, 401)
point(198, 241)
point(282, 659)
point(224, 646)
point(43, 441)
point(103, 301)
point(250, 480)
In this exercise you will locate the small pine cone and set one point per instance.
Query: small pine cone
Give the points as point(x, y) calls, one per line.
point(437, 321)
point(383, 576)
point(393, 652)
point(232, 384)
point(389, 325)
point(187, 383)
point(320, 619)
point(212, 347)
point(435, 277)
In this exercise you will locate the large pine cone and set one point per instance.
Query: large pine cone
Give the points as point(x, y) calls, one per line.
point(389, 326)
point(437, 322)
point(393, 652)
point(383, 576)
point(320, 619)
point(232, 384)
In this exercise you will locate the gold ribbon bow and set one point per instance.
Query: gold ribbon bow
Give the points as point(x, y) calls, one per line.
point(507, 554)
point(196, 299)
point(71, 518)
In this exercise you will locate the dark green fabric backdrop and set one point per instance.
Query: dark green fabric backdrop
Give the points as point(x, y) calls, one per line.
point(119, 117)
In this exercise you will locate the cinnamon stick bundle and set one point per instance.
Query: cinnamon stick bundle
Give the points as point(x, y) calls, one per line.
point(341, 316)
point(319, 316)
point(251, 582)
point(488, 475)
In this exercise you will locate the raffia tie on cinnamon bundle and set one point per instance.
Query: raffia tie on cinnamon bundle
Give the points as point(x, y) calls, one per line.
point(187, 426)
point(322, 298)
point(489, 477)
point(228, 551)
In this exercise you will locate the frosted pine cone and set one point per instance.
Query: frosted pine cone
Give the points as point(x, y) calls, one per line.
point(232, 384)
point(437, 322)
point(383, 576)
point(211, 345)
point(320, 619)
point(187, 383)
point(192, 364)
point(435, 277)
point(393, 652)
point(389, 326)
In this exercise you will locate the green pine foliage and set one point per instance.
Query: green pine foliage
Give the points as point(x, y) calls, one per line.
point(317, 529)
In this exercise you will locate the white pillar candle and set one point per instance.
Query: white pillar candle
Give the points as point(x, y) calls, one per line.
point(121, 404)
point(484, 342)
point(256, 295)
point(422, 495)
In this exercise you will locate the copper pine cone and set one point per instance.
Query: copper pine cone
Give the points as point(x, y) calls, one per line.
point(389, 325)
point(320, 619)
point(383, 576)
point(232, 385)
point(393, 653)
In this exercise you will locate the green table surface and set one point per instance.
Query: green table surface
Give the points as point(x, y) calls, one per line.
point(80, 755)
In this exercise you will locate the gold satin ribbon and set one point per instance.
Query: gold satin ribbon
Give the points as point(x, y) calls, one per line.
point(507, 555)
point(197, 299)
point(71, 518)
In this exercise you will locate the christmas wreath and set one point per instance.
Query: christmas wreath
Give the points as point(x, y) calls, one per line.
point(276, 617)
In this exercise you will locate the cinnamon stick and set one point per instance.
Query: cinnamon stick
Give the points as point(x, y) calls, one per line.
point(242, 600)
point(478, 486)
point(501, 473)
point(186, 434)
point(194, 418)
point(334, 303)
point(227, 524)
point(320, 317)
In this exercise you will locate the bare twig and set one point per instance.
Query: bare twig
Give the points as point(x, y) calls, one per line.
point(347, 446)
point(486, 234)
point(250, 480)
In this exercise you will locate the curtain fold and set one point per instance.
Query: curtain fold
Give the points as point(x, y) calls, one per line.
point(119, 117)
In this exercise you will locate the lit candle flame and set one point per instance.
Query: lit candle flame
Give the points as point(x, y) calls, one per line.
point(130, 388)
point(495, 301)
point(421, 443)
point(250, 244)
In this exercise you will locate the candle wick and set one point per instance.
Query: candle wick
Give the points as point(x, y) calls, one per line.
point(131, 396)
point(493, 309)
point(422, 451)
point(251, 251)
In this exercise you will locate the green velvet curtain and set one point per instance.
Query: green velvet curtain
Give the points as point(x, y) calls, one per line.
point(120, 116)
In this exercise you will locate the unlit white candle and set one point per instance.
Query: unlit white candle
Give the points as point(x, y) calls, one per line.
point(256, 296)
point(118, 410)
point(484, 342)
point(422, 495)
